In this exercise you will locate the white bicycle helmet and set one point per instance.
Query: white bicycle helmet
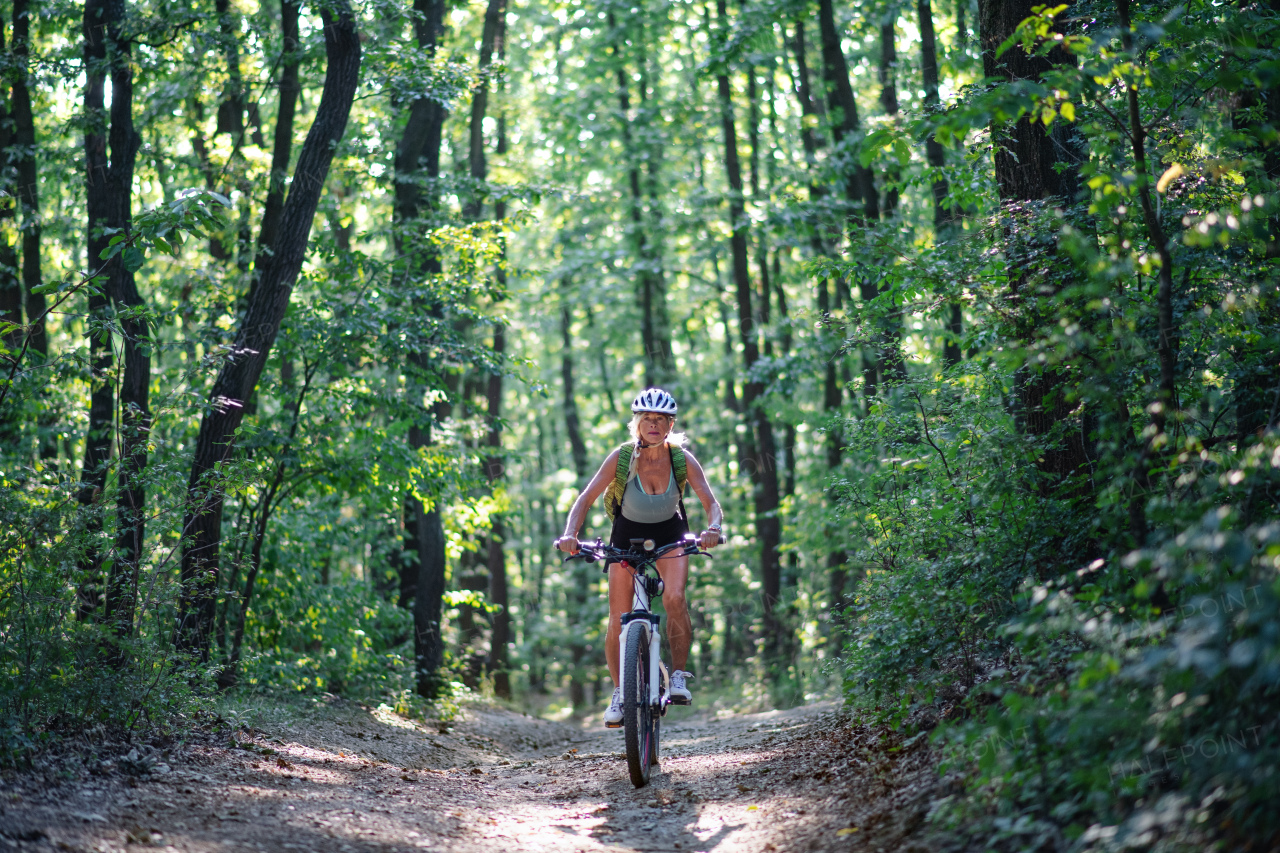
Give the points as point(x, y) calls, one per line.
point(654, 400)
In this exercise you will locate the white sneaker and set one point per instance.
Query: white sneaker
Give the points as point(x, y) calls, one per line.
point(613, 716)
point(680, 694)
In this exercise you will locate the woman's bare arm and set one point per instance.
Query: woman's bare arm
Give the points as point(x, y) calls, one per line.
point(698, 479)
point(578, 514)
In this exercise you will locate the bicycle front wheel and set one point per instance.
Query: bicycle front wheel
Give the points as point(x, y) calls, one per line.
point(637, 712)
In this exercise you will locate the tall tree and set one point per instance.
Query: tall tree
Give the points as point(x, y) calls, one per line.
point(492, 43)
point(651, 290)
point(1033, 166)
point(290, 88)
point(98, 437)
point(859, 183)
point(423, 567)
point(579, 571)
point(10, 285)
point(944, 215)
point(109, 195)
point(894, 364)
point(810, 110)
point(762, 456)
point(28, 189)
point(267, 305)
point(499, 591)
point(489, 43)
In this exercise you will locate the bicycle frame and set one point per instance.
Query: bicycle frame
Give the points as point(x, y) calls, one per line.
point(642, 619)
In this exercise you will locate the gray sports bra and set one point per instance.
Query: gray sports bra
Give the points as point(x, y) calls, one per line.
point(641, 507)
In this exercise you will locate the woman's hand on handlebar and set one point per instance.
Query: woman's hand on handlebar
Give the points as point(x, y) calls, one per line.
point(709, 539)
point(568, 544)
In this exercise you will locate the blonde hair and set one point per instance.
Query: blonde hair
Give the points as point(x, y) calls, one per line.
point(675, 439)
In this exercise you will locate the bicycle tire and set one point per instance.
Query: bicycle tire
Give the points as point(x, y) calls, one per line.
point(637, 714)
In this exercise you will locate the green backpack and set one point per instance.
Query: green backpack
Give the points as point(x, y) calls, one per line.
point(613, 494)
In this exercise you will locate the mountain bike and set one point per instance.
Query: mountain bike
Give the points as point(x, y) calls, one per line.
point(645, 683)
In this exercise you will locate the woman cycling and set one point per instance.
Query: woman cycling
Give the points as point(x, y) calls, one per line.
point(648, 506)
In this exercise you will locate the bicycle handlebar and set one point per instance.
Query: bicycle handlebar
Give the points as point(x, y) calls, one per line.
point(598, 550)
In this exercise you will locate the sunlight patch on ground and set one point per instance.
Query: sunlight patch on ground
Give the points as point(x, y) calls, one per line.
point(386, 715)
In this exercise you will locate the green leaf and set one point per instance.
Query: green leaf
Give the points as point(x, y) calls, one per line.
point(134, 258)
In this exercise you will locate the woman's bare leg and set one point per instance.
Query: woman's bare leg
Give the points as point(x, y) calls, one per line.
point(621, 597)
point(675, 575)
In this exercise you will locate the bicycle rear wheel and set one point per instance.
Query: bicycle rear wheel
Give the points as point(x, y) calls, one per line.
point(638, 721)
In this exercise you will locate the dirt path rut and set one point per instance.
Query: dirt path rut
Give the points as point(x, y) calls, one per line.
point(352, 780)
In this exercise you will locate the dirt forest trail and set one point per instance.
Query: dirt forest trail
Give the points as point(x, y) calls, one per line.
point(346, 779)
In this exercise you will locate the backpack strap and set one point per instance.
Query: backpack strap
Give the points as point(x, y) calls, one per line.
point(679, 467)
point(613, 495)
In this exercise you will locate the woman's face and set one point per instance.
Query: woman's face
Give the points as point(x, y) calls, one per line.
point(654, 427)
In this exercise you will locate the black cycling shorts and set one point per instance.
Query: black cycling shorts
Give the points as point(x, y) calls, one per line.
point(662, 533)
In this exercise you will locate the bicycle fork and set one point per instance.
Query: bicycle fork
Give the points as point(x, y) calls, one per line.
point(643, 620)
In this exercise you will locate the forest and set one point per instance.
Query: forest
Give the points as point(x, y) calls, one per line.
point(316, 317)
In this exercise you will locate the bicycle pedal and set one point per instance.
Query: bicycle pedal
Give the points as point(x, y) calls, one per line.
point(680, 700)
point(616, 725)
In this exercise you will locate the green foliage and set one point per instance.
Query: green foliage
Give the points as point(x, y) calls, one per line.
point(1100, 644)
point(53, 681)
point(951, 520)
point(327, 639)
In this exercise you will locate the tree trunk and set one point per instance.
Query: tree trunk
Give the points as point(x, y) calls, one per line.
point(1030, 167)
point(115, 185)
point(831, 391)
point(762, 458)
point(266, 309)
point(97, 453)
point(1026, 158)
point(887, 73)
point(655, 334)
point(578, 571)
point(10, 286)
point(98, 440)
point(895, 365)
point(859, 184)
point(572, 419)
point(943, 214)
point(231, 107)
point(428, 603)
point(489, 42)
point(27, 191)
point(423, 567)
point(498, 591)
point(282, 144)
